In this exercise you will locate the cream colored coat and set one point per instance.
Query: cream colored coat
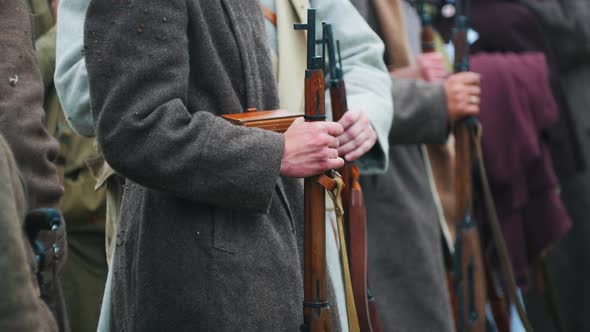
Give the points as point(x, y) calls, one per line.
point(367, 80)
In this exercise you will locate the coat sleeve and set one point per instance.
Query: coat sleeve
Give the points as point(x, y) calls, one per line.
point(71, 76)
point(367, 81)
point(45, 52)
point(138, 65)
point(421, 113)
point(21, 108)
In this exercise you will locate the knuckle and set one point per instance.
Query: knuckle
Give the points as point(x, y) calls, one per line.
point(318, 126)
point(333, 153)
point(323, 140)
point(359, 140)
point(336, 142)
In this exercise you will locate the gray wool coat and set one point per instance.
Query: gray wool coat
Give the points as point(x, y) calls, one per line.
point(22, 125)
point(207, 238)
point(405, 258)
point(406, 269)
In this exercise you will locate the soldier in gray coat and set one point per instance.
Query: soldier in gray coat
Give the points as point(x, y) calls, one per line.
point(207, 238)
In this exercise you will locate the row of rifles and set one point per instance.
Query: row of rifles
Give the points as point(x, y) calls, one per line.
point(316, 309)
point(471, 284)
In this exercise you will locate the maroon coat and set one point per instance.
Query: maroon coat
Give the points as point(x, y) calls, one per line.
point(516, 111)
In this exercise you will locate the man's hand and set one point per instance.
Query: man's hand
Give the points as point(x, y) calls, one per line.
point(463, 95)
point(358, 137)
point(432, 66)
point(311, 148)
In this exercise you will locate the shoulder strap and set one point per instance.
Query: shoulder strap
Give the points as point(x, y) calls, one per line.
point(497, 237)
point(269, 14)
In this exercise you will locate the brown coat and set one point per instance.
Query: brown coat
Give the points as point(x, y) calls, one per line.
point(386, 18)
point(21, 308)
point(21, 123)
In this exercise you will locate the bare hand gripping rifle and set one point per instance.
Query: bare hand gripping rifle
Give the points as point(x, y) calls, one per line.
point(316, 309)
point(352, 198)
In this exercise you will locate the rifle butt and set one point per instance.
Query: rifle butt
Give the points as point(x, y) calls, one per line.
point(375, 322)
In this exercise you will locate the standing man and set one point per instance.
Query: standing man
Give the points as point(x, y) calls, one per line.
point(362, 56)
point(406, 267)
point(207, 237)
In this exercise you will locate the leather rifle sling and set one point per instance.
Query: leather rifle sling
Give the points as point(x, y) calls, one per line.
point(356, 228)
point(498, 239)
point(334, 186)
point(269, 14)
point(545, 285)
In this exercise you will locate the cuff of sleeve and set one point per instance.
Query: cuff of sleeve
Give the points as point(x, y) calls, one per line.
point(249, 182)
point(440, 118)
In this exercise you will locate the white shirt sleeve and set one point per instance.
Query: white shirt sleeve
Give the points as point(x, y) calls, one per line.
point(71, 77)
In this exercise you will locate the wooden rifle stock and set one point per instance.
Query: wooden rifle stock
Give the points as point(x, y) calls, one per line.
point(469, 273)
point(355, 221)
point(316, 309)
point(274, 120)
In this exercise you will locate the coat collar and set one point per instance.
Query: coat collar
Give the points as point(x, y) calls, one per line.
point(292, 59)
point(300, 7)
point(393, 32)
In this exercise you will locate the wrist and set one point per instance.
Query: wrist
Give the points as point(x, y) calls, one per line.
point(285, 168)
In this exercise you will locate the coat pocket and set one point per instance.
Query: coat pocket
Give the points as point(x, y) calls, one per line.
point(224, 230)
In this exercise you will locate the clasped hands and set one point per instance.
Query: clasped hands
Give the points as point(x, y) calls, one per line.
point(312, 148)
